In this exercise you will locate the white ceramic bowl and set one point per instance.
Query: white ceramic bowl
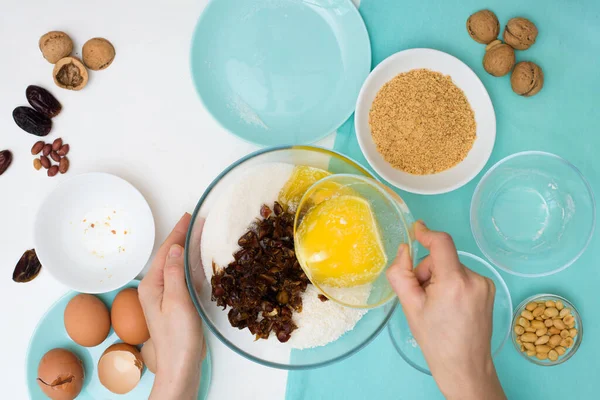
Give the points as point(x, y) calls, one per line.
point(465, 79)
point(94, 233)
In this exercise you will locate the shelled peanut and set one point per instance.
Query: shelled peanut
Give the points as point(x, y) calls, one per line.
point(545, 329)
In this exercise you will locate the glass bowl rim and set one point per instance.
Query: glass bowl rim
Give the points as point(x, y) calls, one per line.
point(506, 335)
point(576, 344)
point(191, 288)
point(390, 195)
point(479, 240)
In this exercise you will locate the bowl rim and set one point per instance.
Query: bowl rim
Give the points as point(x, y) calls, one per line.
point(479, 239)
point(203, 101)
point(579, 324)
point(509, 308)
point(191, 288)
point(392, 197)
point(363, 137)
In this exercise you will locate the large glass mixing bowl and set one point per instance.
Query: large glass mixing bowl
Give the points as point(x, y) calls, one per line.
point(533, 214)
point(269, 353)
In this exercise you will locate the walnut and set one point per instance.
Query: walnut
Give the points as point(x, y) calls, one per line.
point(483, 26)
point(499, 58)
point(527, 79)
point(520, 33)
point(55, 45)
point(70, 73)
point(98, 53)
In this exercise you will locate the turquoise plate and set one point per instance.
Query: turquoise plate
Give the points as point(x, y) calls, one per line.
point(50, 333)
point(277, 72)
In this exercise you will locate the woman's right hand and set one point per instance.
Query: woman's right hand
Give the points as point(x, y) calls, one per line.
point(449, 310)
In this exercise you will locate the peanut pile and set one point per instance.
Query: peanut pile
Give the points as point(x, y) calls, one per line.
point(545, 329)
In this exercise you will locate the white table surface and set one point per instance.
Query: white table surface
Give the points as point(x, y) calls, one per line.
point(140, 119)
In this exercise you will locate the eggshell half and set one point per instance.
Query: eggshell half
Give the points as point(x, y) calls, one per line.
point(120, 368)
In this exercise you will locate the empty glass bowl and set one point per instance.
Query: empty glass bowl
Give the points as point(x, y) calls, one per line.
point(393, 225)
point(272, 353)
point(409, 349)
point(533, 214)
point(570, 351)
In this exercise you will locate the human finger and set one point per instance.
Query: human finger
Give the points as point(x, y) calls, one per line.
point(175, 288)
point(442, 251)
point(404, 282)
point(153, 282)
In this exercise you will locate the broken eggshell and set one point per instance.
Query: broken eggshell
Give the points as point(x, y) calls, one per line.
point(60, 375)
point(120, 368)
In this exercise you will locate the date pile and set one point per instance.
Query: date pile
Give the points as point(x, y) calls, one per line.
point(264, 284)
point(57, 151)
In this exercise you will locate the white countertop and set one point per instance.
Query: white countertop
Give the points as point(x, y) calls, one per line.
point(140, 119)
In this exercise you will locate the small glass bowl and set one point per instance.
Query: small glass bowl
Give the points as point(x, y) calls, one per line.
point(578, 325)
point(409, 349)
point(533, 214)
point(393, 219)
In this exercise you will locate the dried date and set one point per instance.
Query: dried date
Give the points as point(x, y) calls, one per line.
point(43, 101)
point(32, 121)
point(27, 268)
point(5, 160)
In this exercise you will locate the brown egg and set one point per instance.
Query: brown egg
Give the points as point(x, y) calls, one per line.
point(120, 368)
point(60, 375)
point(128, 318)
point(149, 355)
point(87, 320)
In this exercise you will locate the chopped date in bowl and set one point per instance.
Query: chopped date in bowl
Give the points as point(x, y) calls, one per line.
point(263, 286)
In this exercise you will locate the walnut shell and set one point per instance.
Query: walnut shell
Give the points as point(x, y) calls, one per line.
point(527, 79)
point(55, 45)
point(483, 26)
point(499, 58)
point(520, 33)
point(70, 73)
point(98, 53)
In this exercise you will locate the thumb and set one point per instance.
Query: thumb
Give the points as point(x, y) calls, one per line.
point(405, 283)
point(174, 276)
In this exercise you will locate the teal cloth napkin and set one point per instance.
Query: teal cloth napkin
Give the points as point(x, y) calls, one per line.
point(563, 119)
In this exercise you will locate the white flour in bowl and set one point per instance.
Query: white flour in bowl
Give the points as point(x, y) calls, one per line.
point(319, 322)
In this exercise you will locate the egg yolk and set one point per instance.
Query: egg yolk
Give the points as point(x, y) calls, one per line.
point(339, 242)
point(301, 179)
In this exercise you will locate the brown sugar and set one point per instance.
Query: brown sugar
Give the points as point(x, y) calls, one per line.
point(422, 123)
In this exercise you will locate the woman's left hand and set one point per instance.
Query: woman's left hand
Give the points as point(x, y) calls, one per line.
point(174, 324)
